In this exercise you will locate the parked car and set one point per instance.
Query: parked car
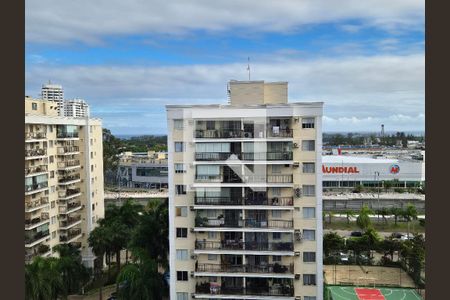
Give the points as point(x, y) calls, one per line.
point(343, 257)
point(397, 235)
point(356, 233)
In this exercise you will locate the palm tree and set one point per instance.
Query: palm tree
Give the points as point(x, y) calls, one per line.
point(99, 242)
point(42, 279)
point(363, 220)
point(348, 214)
point(140, 280)
point(383, 213)
point(410, 213)
point(129, 215)
point(372, 238)
point(396, 212)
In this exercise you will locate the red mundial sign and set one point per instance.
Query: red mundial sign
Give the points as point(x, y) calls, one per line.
point(340, 170)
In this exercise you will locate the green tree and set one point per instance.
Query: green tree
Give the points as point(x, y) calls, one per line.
point(42, 279)
point(363, 220)
point(397, 212)
point(410, 213)
point(140, 280)
point(389, 246)
point(383, 212)
point(112, 147)
point(413, 253)
point(332, 242)
point(348, 214)
point(99, 241)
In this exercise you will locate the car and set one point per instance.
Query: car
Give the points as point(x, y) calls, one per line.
point(397, 235)
point(343, 257)
point(356, 233)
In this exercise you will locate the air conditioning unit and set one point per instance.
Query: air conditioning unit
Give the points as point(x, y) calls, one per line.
point(298, 192)
point(296, 164)
point(192, 273)
point(297, 253)
point(298, 235)
point(297, 276)
point(247, 134)
point(295, 145)
point(191, 208)
point(194, 256)
point(192, 230)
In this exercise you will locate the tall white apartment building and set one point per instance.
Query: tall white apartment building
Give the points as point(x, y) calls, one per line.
point(63, 180)
point(54, 93)
point(77, 108)
point(245, 196)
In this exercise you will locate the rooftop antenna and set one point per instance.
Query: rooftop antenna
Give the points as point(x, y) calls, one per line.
point(248, 68)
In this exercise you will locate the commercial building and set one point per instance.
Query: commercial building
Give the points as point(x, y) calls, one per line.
point(63, 179)
point(344, 171)
point(245, 196)
point(146, 170)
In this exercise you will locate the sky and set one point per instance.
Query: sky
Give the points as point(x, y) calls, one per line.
point(128, 59)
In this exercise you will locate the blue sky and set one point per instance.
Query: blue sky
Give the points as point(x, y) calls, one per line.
point(364, 59)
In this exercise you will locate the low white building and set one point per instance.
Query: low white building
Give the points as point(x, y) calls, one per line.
point(349, 171)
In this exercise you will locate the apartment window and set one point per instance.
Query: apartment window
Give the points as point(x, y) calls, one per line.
point(52, 158)
point(309, 256)
point(276, 235)
point(179, 146)
point(92, 168)
point(50, 143)
point(93, 194)
point(93, 206)
point(53, 204)
point(309, 212)
point(92, 142)
point(181, 211)
point(309, 167)
point(276, 169)
point(182, 254)
point(180, 189)
point(50, 128)
point(53, 188)
point(53, 220)
point(309, 234)
point(276, 191)
point(276, 258)
point(178, 124)
point(309, 298)
point(309, 279)
point(92, 155)
point(92, 180)
point(309, 190)
point(308, 123)
point(180, 168)
point(181, 232)
point(212, 256)
point(184, 296)
point(54, 234)
point(34, 106)
point(52, 174)
point(276, 214)
point(308, 145)
point(182, 275)
point(212, 235)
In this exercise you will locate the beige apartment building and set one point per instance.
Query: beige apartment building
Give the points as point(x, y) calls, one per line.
point(63, 179)
point(245, 196)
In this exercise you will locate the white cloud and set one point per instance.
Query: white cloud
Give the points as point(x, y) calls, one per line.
point(51, 21)
point(363, 87)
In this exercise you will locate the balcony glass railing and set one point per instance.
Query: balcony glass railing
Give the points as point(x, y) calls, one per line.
point(239, 133)
point(70, 206)
point(218, 156)
point(248, 268)
point(35, 186)
point(68, 192)
point(35, 135)
point(67, 135)
point(35, 169)
point(274, 201)
point(233, 178)
point(247, 223)
point(280, 133)
point(214, 288)
point(70, 235)
point(34, 221)
point(68, 149)
point(68, 163)
point(35, 152)
point(36, 203)
point(240, 245)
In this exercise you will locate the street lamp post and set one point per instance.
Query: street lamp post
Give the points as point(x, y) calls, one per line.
point(377, 178)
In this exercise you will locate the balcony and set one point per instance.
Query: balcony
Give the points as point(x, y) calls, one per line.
point(215, 156)
point(67, 135)
point(35, 188)
point(219, 134)
point(71, 235)
point(260, 156)
point(68, 179)
point(280, 133)
point(217, 289)
point(35, 153)
point(274, 201)
point(34, 205)
point(69, 222)
point(67, 150)
point(41, 250)
point(67, 164)
point(240, 245)
point(234, 178)
point(36, 222)
point(248, 268)
point(33, 239)
point(31, 171)
point(35, 136)
point(69, 207)
point(68, 193)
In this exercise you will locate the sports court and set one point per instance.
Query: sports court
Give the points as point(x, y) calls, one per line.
point(368, 293)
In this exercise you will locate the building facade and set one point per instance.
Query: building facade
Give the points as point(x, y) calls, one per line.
point(63, 179)
point(77, 108)
point(55, 94)
point(245, 196)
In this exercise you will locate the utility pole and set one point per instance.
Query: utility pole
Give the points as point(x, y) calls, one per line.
point(377, 178)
